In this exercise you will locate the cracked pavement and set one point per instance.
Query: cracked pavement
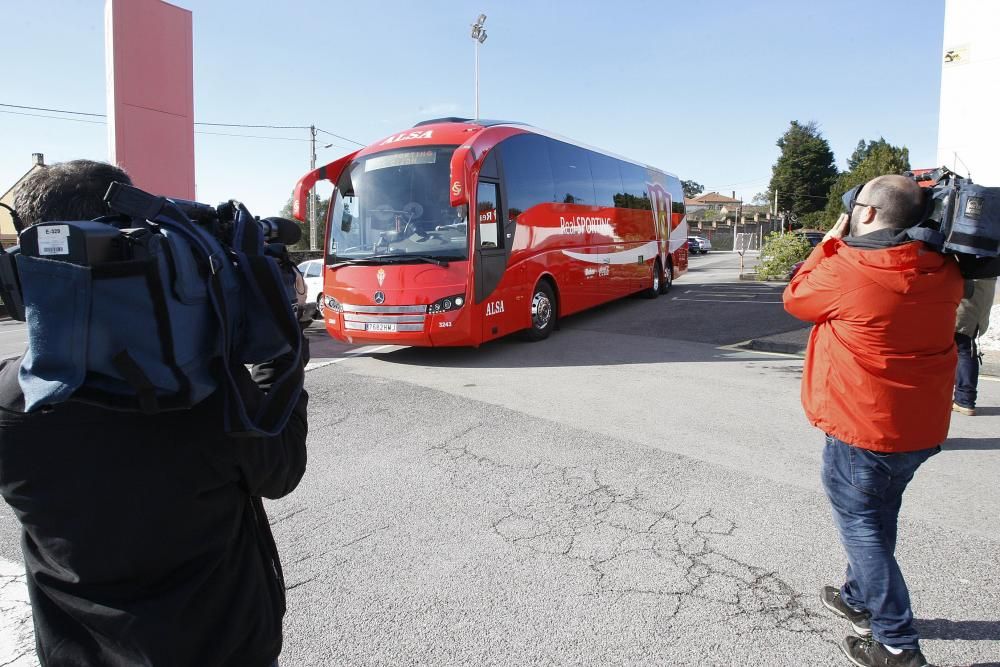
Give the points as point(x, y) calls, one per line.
point(17, 638)
point(448, 530)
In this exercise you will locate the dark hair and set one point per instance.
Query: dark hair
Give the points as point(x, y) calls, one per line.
point(900, 201)
point(71, 190)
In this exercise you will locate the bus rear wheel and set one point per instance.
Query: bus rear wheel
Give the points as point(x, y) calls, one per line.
point(656, 288)
point(543, 312)
point(668, 279)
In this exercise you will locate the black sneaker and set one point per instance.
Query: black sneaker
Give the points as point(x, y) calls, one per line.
point(860, 620)
point(866, 652)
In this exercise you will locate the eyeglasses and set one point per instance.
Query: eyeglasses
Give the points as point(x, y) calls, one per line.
point(850, 199)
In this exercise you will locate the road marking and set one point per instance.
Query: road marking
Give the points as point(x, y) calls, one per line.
point(677, 298)
point(737, 347)
point(361, 351)
point(369, 349)
point(742, 296)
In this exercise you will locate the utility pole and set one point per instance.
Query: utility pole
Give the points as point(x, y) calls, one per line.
point(313, 242)
point(479, 36)
point(776, 210)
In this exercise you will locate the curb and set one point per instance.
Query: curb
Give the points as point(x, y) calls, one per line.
point(764, 345)
point(988, 369)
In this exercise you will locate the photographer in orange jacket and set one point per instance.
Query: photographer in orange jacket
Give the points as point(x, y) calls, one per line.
point(877, 380)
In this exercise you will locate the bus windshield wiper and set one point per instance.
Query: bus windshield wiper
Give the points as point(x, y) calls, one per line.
point(389, 259)
point(423, 258)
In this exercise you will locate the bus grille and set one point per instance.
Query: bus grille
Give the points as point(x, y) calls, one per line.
point(406, 318)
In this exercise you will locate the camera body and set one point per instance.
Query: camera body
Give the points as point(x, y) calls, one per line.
point(961, 217)
point(158, 307)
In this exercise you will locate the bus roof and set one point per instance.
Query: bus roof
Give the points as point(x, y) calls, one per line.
point(457, 131)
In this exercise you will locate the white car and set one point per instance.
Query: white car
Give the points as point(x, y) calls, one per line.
point(312, 272)
point(704, 244)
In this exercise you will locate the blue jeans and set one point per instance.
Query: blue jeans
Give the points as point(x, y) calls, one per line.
point(865, 489)
point(967, 372)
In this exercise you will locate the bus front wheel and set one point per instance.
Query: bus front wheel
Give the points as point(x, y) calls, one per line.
point(543, 312)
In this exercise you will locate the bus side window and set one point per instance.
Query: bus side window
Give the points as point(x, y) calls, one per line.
point(487, 205)
point(527, 173)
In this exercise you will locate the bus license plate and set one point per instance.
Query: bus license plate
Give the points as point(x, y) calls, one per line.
point(380, 326)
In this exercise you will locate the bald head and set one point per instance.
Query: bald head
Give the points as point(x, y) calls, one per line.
point(897, 200)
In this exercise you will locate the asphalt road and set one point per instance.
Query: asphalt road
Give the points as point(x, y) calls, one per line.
point(634, 490)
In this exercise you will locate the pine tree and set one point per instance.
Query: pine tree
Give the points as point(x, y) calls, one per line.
point(870, 159)
point(804, 171)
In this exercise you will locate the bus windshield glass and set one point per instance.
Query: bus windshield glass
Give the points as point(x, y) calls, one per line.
point(395, 204)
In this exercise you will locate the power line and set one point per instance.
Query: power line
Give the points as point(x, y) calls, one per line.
point(104, 122)
point(246, 125)
point(248, 136)
point(77, 113)
point(320, 129)
point(270, 127)
point(38, 115)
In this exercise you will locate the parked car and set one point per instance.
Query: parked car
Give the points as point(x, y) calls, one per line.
point(702, 244)
point(814, 238)
point(312, 272)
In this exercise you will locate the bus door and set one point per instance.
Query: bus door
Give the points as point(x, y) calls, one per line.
point(490, 258)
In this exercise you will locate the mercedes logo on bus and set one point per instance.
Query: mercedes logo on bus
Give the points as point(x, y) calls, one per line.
point(379, 297)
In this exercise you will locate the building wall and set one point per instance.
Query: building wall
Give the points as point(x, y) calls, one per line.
point(968, 133)
point(8, 235)
point(7, 231)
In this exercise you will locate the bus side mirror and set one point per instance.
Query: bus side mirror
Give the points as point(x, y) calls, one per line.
point(461, 166)
point(346, 222)
point(329, 172)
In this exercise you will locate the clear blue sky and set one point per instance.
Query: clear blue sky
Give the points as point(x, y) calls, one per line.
point(702, 89)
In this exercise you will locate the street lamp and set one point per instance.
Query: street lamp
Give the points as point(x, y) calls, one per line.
point(479, 35)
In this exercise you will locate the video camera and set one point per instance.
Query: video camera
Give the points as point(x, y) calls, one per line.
point(959, 217)
point(965, 217)
point(158, 306)
point(126, 237)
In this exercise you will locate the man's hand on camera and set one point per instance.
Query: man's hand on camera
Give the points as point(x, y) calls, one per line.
point(839, 230)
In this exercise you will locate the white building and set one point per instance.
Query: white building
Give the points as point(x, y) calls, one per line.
point(969, 123)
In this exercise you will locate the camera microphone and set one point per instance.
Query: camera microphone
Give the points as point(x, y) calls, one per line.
point(281, 230)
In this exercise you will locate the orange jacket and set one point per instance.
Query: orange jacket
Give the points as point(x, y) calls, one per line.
point(880, 365)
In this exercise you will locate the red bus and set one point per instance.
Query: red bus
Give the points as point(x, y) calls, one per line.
point(557, 227)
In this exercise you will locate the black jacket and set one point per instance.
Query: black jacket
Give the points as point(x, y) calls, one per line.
point(143, 541)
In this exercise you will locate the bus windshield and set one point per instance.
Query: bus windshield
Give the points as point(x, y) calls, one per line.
point(395, 204)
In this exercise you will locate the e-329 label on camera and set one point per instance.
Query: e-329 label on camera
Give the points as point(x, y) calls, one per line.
point(53, 240)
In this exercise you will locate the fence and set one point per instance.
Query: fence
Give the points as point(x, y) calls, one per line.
point(724, 237)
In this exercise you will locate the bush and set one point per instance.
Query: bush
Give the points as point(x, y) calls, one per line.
point(779, 253)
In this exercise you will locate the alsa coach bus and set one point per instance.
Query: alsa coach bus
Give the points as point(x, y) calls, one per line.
point(556, 227)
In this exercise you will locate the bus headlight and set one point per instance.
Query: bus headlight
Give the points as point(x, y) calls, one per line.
point(334, 305)
point(447, 304)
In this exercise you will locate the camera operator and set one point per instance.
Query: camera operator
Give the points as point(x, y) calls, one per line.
point(973, 321)
point(877, 380)
point(144, 537)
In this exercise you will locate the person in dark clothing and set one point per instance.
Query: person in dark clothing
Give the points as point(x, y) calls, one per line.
point(973, 321)
point(144, 536)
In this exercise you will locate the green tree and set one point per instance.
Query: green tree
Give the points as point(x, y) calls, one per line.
point(780, 253)
point(321, 207)
point(870, 159)
point(692, 189)
point(804, 171)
